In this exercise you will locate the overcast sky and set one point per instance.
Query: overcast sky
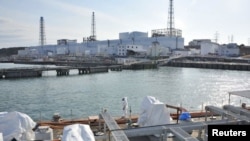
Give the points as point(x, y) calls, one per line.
point(71, 19)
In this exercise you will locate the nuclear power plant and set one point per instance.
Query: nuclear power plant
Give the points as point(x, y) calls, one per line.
point(161, 42)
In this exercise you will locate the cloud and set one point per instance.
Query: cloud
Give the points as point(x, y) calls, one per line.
point(83, 11)
point(72, 19)
point(9, 26)
point(193, 2)
point(105, 23)
point(2, 21)
point(14, 33)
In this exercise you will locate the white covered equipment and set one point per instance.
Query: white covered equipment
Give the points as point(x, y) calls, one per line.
point(153, 112)
point(77, 132)
point(16, 125)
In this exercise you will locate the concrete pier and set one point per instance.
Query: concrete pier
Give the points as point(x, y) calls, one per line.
point(89, 70)
point(116, 68)
point(60, 71)
point(99, 69)
point(83, 71)
point(20, 73)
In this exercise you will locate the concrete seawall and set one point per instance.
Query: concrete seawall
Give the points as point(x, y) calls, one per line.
point(211, 65)
point(140, 66)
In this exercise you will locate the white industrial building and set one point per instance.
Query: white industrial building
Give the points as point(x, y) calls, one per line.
point(138, 42)
point(230, 50)
point(207, 47)
point(134, 50)
point(194, 51)
point(29, 52)
point(156, 50)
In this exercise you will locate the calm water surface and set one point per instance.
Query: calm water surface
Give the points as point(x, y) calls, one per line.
point(77, 96)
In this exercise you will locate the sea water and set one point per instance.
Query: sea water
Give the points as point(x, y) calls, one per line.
point(79, 96)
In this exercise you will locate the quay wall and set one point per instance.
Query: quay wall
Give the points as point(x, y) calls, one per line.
point(140, 66)
point(99, 69)
point(210, 65)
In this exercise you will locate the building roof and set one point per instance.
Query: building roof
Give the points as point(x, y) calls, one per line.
point(244, 93)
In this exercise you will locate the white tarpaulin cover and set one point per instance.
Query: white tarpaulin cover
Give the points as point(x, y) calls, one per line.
point(153, 112)
point(1, 136)
point(16, 125)
point(77, 132)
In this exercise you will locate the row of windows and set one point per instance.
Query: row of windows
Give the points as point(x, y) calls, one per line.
point(128, 47)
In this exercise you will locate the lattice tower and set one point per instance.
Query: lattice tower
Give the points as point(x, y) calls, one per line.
point(171, 18)
point(42, 39)
point(93, 28)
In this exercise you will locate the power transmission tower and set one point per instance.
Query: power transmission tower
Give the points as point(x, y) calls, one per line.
point(216, 37)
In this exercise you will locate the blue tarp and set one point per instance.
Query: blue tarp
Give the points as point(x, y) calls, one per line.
point(185, 116)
